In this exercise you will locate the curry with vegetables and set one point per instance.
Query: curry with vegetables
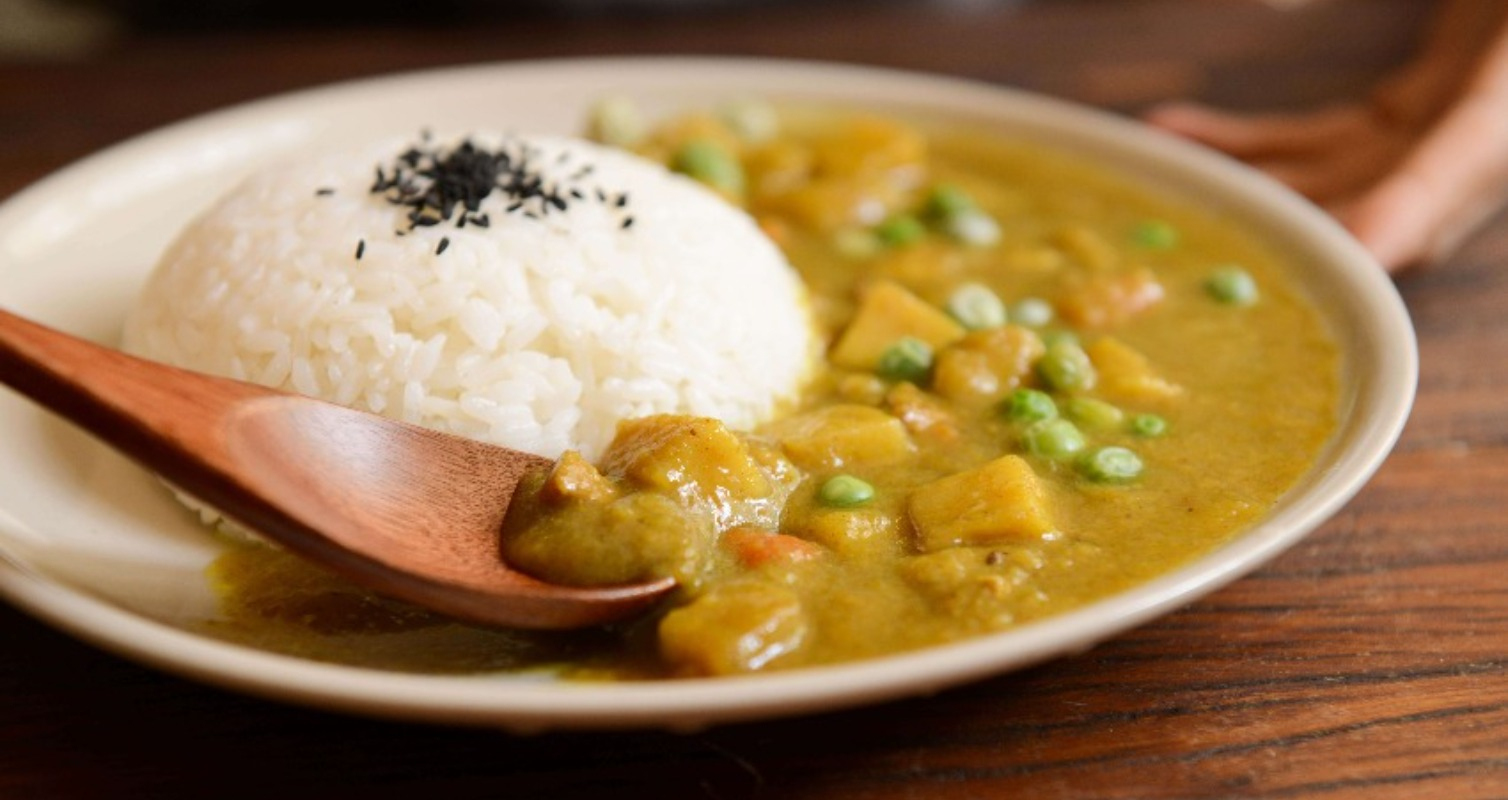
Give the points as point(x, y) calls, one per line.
point(1044, 384)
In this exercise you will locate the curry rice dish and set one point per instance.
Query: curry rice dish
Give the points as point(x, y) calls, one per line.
point(1006, 384)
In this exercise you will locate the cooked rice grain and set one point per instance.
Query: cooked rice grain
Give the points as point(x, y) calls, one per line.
point(539, 331)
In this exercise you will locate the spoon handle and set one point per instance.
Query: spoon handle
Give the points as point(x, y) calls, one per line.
point(169, 419)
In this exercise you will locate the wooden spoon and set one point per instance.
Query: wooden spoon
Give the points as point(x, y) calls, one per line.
point(402, 510)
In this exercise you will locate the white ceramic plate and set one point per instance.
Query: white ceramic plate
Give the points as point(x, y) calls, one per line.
point(91, 544)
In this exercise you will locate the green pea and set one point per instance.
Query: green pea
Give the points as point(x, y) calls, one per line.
point(1092, 413)
point(1029, 405)
point(1053, 438)
point(1232, 286)
point(1148, 426)
point(845, 491)
point(1066, 367)
point(709, 163)
point(974, 228)
point(976, 307)
point(947, 200)
point(909, 359)
point(1050, 338)
point(1111, 465)
point(956, 214)
point(1033, 312)
point(900, 231)
point(1154, 234)
point(616, 121)
point(752, 120)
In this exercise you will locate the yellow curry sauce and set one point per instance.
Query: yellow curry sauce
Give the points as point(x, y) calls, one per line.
point(1044, 385)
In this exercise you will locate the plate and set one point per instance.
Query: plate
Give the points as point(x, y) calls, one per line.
point(92, 545)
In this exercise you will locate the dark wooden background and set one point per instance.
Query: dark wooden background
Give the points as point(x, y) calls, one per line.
point(1367, 662)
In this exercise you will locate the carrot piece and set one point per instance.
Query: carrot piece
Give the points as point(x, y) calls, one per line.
point(755, 547)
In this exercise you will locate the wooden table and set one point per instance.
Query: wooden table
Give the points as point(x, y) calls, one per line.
point(1367, 662)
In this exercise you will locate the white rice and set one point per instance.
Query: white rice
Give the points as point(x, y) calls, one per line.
point(538, 334)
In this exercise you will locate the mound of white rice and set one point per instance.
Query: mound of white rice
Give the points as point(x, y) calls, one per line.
point(609, 290)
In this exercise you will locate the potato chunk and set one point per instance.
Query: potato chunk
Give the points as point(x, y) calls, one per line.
point(869, 145)
point(778, 167)
point(1002, 500)
point(824, 205)
point(842, 177)
point(1087, 248)
point(924, 265)
point(1126, 375)
point(843, 435)
point(850, 532)
point(887, 313)
point(695, 458)
point(733, 628)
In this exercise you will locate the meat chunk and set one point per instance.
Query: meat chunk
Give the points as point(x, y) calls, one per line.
point(986, 365)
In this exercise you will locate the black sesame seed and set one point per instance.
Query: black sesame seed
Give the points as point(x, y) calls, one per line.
point(324, 191)
point(436, 184)
point(361, 248)
point(627, 223)
point(444, 243)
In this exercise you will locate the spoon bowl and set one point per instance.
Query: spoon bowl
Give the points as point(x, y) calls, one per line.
point(405, 511)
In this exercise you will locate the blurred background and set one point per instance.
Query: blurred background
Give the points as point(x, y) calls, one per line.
point(63, 28)
point(77, 75)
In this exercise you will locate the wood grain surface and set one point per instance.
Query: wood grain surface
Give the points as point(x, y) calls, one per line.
point(1367, 662)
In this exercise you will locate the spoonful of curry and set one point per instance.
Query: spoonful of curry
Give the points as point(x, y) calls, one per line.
point(403, 510)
